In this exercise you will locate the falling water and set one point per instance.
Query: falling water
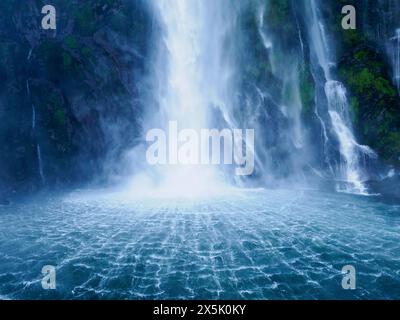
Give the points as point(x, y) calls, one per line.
point(387, 33)
point(33, 117)
point(38, 150)
point(195, 83)
point(28, 88)
point(29, 55)
point(396, 58)
point(350, 175)
point(40, 164)
point(33, 126)
point(282, 147)
point(350, 150)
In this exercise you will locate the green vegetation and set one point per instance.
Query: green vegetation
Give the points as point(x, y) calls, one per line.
point(374, 100)
point(367, 83)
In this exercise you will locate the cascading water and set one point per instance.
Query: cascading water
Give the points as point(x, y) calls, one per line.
point(195, 74)
point(272, 103)
point(352, 153)
point(396, 58)
point(33, 117)
point(193, 86)
point(38, 149)
point(388, 33)
point(40, 164)
point(350, 174)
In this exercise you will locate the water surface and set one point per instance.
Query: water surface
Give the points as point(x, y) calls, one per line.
point(254, 244)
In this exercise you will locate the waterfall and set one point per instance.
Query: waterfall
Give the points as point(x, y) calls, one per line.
point(396, 58)
point(28, 89)
point(33, 117)
point(38, 150)
point(274, 108)
point(29, 54)
point(351, 152)
point(349, 172)
point(192, 84)
point(40, 164)
point(388, 34)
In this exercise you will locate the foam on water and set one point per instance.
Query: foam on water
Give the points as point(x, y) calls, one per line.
point(248, 244)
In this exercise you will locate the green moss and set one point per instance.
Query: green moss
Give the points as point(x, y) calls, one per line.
point(361, 55)
point(367, 83)
point(384, 87)
point(352, 37)
point(373, 99)
point(362, 81)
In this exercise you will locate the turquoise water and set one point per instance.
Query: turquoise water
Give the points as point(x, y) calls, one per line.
point(257, 244)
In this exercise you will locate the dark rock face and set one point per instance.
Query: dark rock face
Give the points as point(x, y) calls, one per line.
point(70, 98)
point(388, 186)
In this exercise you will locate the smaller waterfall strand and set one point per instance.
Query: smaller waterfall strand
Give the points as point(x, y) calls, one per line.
point(38, 149)
point(33, 117)
point(350, 175)
point(396, 58)
point(40, 164)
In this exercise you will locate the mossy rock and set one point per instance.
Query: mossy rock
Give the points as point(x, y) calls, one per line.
point(375, 105)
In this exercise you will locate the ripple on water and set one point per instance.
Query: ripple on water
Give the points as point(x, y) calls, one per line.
point(248, 245)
